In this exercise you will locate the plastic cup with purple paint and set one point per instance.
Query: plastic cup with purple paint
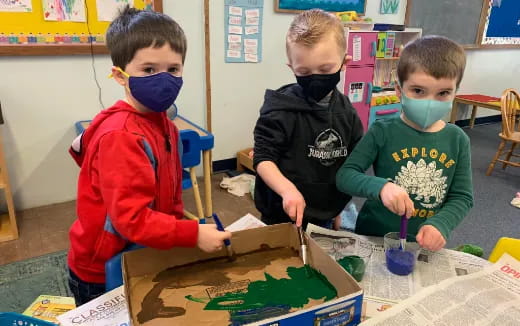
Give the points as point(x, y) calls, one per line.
point(400, 261)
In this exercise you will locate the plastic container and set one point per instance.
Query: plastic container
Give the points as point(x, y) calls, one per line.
point(16, 319)
point(399, 261)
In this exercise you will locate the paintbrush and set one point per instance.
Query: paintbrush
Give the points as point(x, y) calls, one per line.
point(402, 232)
point(303, 245)
point(227, 242)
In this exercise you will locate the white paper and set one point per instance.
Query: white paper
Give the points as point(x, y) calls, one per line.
point(252, 30)
point(252, 13)
point(234, 54)
point(235, 46)
point(251, 57)
point(250, 42)
point(107, 310)
point(235, 20)
point(107, 10)
point(234, 29)
point(251, 49)
point(55, 10)
point(235, 11)
point(431, 268)
point(246, 222)
point(234, 39)
point(488, 297)
point(252, 21)
point(356, 48)
point(16, 6)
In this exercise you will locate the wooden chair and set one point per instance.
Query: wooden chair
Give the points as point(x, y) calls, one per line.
point(510, 108)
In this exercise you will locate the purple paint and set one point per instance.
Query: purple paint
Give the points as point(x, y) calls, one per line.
point(400, 262)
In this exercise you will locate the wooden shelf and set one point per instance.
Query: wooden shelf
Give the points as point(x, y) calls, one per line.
point(52, 49)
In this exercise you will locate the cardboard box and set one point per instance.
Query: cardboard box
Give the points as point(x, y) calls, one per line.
point(145, 271)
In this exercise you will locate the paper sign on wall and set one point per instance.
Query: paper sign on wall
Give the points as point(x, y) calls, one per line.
point(243, 30)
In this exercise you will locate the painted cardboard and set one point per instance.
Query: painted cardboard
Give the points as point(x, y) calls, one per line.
point(141, 270)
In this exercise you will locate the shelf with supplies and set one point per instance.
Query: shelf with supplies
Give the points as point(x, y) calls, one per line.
point(371, 70)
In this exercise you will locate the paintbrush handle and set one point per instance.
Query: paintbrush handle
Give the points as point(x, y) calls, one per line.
point(404, 227)
point(220, 227)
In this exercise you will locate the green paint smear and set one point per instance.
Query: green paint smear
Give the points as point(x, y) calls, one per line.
point(304, 283)
point(199, 300)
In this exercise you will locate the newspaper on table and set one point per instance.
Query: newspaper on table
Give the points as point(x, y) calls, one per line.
point(431, 267)
point(107, 310)
point(246, 222)
point(488, 297)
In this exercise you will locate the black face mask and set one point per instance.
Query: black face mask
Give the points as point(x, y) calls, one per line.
point(317, 86)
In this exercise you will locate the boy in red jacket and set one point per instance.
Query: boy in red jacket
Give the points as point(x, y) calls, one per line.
point(129, 187)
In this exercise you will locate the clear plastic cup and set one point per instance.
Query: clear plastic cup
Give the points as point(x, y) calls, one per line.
point(399, 261)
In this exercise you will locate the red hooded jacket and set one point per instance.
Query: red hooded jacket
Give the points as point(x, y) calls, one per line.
point(129, 189)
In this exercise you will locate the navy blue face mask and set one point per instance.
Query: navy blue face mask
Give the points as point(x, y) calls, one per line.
point(156, 92)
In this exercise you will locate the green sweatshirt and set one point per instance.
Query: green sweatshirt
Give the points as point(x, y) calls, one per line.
point(434, 168)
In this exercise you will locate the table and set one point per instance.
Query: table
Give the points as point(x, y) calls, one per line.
point(206, 144)
point(476, 100)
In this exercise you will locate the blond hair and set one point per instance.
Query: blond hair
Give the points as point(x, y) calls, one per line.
point(437, 56)
point(311, 26)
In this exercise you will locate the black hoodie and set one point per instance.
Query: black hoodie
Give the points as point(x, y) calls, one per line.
point(308, 142)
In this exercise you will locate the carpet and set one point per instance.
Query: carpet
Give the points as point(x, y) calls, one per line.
point(23, 281)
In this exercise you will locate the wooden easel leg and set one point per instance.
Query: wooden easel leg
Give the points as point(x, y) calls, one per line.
point(207, 183)
point(196, 192)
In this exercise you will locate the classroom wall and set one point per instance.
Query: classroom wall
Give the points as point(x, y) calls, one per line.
point(238, 89)
point(489, 72)
point(43, 96)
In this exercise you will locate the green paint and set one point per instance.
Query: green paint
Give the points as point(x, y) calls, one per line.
point(354, 265)
point(304, 283)
point(199, 300)
point(471, 249)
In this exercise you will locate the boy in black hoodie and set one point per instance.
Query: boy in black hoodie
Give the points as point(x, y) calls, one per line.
point(306, 130)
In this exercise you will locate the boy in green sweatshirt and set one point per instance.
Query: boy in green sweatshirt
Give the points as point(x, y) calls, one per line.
point(422, 165)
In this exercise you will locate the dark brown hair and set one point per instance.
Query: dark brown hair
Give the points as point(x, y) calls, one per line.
point(437, 56)
point(136, 29)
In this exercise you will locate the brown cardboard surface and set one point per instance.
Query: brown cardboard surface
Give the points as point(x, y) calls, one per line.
point(156, 282)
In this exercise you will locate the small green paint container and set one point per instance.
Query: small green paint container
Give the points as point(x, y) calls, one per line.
point(354, 265)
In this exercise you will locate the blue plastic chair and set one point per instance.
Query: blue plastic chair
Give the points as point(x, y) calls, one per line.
point(114, 271)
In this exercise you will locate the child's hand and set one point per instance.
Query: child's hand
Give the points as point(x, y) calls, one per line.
point(294, 205)
point(210, 239)
point(430, 238)
point(396, 199)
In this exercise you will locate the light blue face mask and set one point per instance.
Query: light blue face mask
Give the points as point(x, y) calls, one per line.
point(424, 113)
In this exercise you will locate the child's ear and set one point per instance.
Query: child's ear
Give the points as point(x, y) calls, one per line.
point(118, 76)
point(397, 90)
point(346, 59)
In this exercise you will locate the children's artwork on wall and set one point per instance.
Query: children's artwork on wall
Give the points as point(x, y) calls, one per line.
point(108, 9)
point(389, 7)
point(503, 22)
point(243, 30)
point(64, 10)
point(16, 5)
point(294, 6)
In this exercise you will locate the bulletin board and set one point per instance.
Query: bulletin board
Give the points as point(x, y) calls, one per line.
point(296, 6)
point(502, 23)
point(476, 24)
point(28, 33)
